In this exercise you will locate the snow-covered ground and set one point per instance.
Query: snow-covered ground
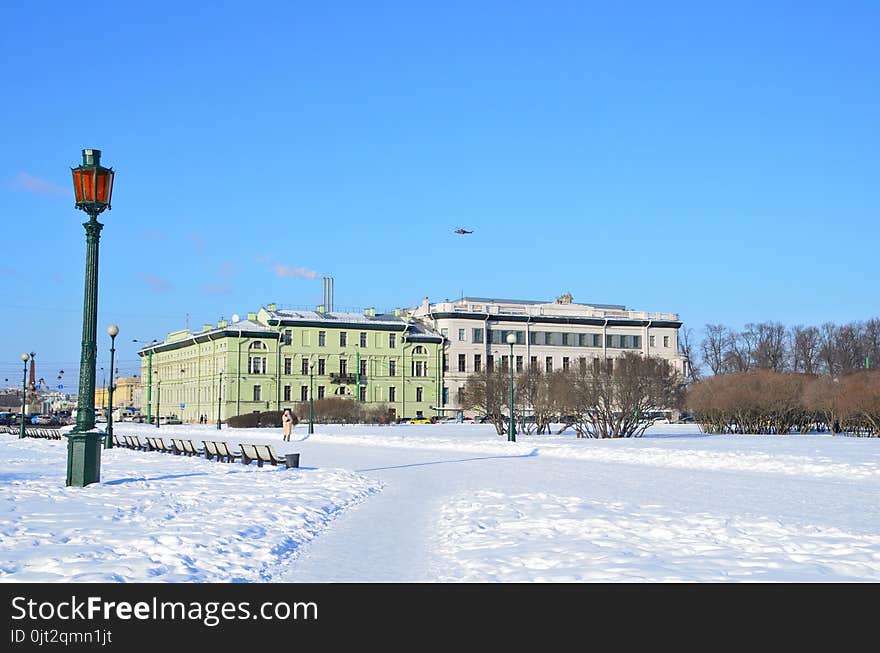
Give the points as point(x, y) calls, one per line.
point(447, 503)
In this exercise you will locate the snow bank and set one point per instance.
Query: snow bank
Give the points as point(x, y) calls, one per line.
point(160, 518)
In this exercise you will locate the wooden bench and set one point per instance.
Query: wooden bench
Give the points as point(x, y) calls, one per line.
point(210, 449)
point(158, 444)
point(189, 448)
point(220, 449)
point(266, 453)
point(134, 442)
point(117, 442)
point(249, 454)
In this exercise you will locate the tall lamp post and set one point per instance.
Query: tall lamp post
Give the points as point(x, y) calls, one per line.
point(112, 331)
point(158, 398)
point(93, 187)
point(311, 397)
point(149, 373)
point(511, 430)
point(24, 359)
point(219, 393)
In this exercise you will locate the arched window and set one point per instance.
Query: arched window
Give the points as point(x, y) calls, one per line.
point(256, 359)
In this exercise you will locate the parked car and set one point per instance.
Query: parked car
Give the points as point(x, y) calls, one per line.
point(421, 420)
point(48, 420)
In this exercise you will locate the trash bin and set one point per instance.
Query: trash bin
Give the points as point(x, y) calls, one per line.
point(292, 459)
point(84, 458)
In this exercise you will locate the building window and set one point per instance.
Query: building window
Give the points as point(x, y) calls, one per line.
point(445, 362)
point(343, 338)
point(304, 366)
point(419, 392)
point(343, 367)
point(459, 395)
point(651, 341)
point(519, 363)
point(363, 339)
point(462, 367)
point(321, 366)
point(392, 368)
point(565, 363)
point(533, 363)
point(256, 364)
point(304, 393)
point(548, 364)
point(322, 338)
point(504, 363)
point(392, 340)
point(666, 341)
point(364, 367)
point(392, 394)
point(362, 393)
point(419, 368)
point(287, 393)
point(461, 336)
point(320, 392)
point(258, 393)
point(490, 363)
point(477, 336)
point(582, 364)
point(288, 337)
point(288, 364)
point(444, 333)
point(478, 362)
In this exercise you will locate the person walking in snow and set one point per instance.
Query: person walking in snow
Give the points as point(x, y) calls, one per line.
point(286, 424)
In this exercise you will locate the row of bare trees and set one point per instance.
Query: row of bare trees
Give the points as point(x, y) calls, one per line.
point(828, 349)
point(609, 399)
point(765, 401)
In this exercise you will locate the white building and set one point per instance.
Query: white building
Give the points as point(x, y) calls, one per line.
point(549, 335)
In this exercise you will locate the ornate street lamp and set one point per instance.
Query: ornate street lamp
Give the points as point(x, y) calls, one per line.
point(93, 188)
point(511, 429)
point(24, 359)
point(112, 331)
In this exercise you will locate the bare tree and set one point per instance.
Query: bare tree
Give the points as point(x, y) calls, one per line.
point(714, 346)
point(487, 393)
point(805, 348)
point(687, 349)
point(770, 352)
point(620, 400)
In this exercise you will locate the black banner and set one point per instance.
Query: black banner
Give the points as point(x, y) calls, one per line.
point(105, 616)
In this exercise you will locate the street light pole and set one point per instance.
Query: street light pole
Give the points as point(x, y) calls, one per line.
point(158, 398)
point(93, 188)
point(511, 431)
point(24, 358)
point(219, 395)
point(311, 397)
point(112, 330)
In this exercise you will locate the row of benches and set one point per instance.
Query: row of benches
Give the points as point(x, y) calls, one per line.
point(219, 449)
point(48, 434)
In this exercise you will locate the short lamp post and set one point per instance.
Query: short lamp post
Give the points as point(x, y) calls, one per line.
point(112, 331)
point(25, 358)
point(311, 397)
point(219, 395)
point(93, 188)
point(158, 398)
point(511, 430)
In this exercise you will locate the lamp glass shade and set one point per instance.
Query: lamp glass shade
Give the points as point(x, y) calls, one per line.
point(92, 186)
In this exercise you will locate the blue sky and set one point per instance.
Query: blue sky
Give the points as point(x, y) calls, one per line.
point(719, 160)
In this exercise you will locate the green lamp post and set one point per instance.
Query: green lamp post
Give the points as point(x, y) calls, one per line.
point(511, 429)
point(24, 358)
point(219, 394)
point(93, 188)
point(112, 331)
point(311, 397)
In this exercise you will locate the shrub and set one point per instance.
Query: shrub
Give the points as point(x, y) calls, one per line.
point(268, 419)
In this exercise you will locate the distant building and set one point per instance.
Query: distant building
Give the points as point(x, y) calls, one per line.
point(125, 393)
point(264, 362)
point(550, 335)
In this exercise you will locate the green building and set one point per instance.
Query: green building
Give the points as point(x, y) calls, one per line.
point(266, 362)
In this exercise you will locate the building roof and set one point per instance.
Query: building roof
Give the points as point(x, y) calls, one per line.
point(497, 300)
